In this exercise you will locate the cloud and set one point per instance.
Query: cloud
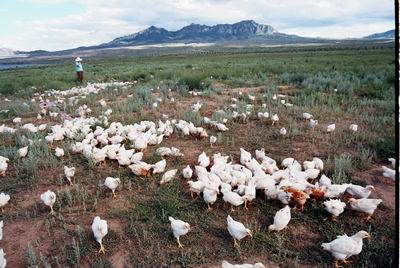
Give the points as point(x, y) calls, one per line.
point(104, 20)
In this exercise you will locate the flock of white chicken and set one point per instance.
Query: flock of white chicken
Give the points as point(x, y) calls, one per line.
point(238, 184)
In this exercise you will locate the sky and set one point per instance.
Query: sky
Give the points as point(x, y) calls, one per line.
point(62, 24)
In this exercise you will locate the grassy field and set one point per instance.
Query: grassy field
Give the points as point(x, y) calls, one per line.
point(335, 86)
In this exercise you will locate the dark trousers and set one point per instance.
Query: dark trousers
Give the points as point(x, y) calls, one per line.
point(80, 76)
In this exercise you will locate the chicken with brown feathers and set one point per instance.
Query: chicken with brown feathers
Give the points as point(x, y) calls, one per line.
point(298, 198)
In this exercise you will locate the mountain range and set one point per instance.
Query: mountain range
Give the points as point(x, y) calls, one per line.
point(193, 33)
point(245, 32)
point(385, 35)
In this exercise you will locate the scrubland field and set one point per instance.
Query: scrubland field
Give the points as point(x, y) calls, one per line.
point(336, 86)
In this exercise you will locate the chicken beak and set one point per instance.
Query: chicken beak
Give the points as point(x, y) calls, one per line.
point(369, 237)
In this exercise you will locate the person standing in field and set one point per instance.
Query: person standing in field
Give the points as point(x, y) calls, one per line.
point(79, 69)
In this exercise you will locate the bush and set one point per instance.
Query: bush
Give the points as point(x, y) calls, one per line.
point(195, 81)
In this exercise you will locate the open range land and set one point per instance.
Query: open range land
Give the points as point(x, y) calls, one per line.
point(299, 105)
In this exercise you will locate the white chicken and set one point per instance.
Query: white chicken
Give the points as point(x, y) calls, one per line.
point(69, 172)
point(331, 128)
point(98, 155)
point(112, 184)
point(358, 191)
point(3, 165)
point(49, 198)
point(245, 156)
point(1, 230)
point(136, 158)
point(210, 196)
point(308, 165)
point(319, 164)
point(335, 207)
point(100, 230)
point(393, 162)
point(389, 173)
point(203, 160)
point(196, 187)
point(22, 152)
point(344, 246)
point(3, 261)
point(263, 115)
point(179, 228)
point(307, 116)
point(221, 127)
point(281, 219)
point(232, 198)
point(325, 181)
point(187, 172)
point(196, 106)
point(176, 152)
point(283, 131)
point(312, 173)
point(364, 205)
point(4, 198)
point(275, 119)
point(226, 264)
point(59, 152)
point(237, 230)
point(260, 154)
point(287, 162)
point(213, 140)
point(249, 193)
point(353, 127)
point(141, 169)
point(159, 167)
point(312, 123)
point(168, 176)
point(336, 190)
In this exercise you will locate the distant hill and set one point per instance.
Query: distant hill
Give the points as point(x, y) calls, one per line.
point(196, 33)
point(385, 35)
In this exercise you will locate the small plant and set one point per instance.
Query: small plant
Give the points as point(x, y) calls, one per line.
point(30, 257)
point(193, 117)
point(343, 168)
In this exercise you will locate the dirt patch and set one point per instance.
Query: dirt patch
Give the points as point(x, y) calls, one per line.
point(18, 235)
point(119, 258)
point(289, 90)
point(305, 237)
point(245, 90)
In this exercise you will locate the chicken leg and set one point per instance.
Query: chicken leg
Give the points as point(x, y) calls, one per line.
point(51, 211)
point(179, 243)
point(367, 218)
point(347, 262)
point(337, 264)
point(102, 249)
